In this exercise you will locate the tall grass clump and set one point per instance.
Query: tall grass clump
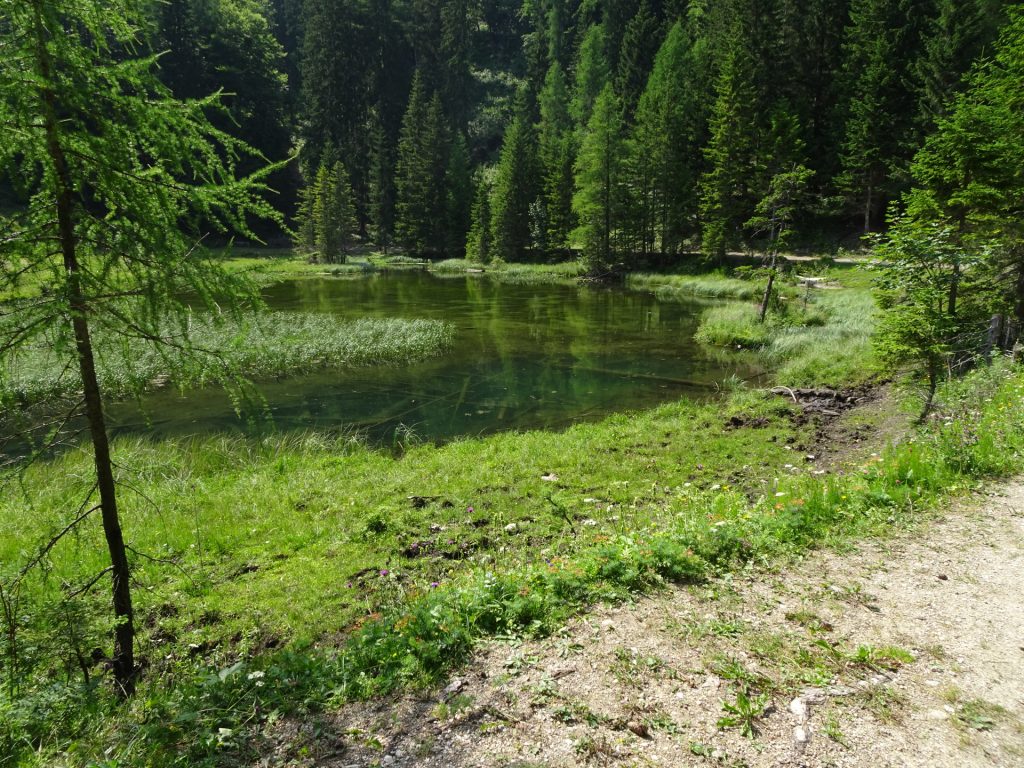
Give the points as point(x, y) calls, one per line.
point(453, 266)
point(824, 340)
point(835, 352)
point(685, 287)
point(259, 346)
point(732, 325)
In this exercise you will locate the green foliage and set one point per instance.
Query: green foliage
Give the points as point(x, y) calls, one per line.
point(514, 191)
point(729, 154)
point(479, 244)
point(922, 272)
point(592, 74)
point(745, 712)
point(665, 147)
point(555, 155)
point(332, 222)
point(600, 196)
point(421, 175)
point(879, 50)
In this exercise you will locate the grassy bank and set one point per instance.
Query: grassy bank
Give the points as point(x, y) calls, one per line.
point(261, 346)
point(714, 285)
point(513, 273)
point(307, 573)
point(821, 337)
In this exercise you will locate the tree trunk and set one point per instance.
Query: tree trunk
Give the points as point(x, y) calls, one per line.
point(867, 209)
point(954, 290)
point(763, 313)
point(123, 657)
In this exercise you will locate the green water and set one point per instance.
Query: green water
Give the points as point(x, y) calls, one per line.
point(525, 356)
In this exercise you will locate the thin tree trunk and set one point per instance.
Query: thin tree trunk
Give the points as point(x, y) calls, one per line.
point(123, 657)
point(954, 290)
point(867, 209)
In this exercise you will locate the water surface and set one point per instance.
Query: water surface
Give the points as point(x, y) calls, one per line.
point(525, 356)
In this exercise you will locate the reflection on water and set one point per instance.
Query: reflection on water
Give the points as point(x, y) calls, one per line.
point(525, 356)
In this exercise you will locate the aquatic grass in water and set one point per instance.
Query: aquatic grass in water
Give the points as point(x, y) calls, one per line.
point(261, 346)
point(685, 287)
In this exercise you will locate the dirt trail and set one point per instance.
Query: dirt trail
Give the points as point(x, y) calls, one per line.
point(908, 652)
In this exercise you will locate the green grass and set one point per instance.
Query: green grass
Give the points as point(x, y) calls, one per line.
point(685, 287)
point(316, 549)
point(259, 346)
point(513, 273)
point(822, 338)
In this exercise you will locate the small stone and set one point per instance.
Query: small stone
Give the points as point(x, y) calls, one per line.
point(943, 577)
point(801, 735)
point(454, 687)
point(936, 714)
point(511, 528)
point(550, 478)
point(640, 729)
point(387, 760)
point(799, 708)
point(814, 696)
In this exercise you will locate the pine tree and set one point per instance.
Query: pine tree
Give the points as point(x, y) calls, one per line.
point(878, 136)
point(420, 183)
point(480, 244)
point(459, 197)
point(665, 147)
point(333, 213)
point(514, 191)
point(121, 182)
point(968, 179)
point(641, 40)
point(730, 154)
point(774, 217)
point(592, 74)
point(953, 40)
point(598, 201)
point(555, 151)
point(382, 192)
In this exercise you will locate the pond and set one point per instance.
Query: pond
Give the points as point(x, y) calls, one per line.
point(525, 357)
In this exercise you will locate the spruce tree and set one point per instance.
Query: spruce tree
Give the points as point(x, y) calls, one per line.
point(458, 197)
point(592, 74)
point(665, 146)
point(599, 198)
point(726, 198)
point(953, 40)
point(879, 128)
point(555, 151)
point(420, 177)
point(382, 189)
point(333, 213)
point(640, 42)
point(514, 190)
point(480, 244)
